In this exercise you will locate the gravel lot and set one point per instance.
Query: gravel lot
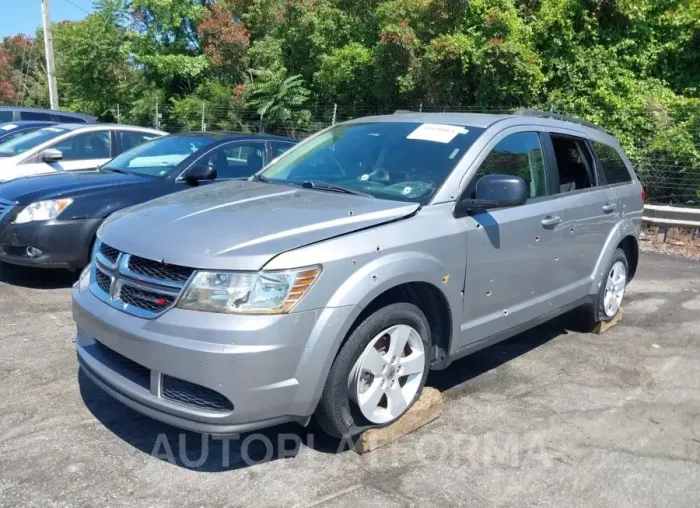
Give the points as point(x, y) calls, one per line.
point(550, 417)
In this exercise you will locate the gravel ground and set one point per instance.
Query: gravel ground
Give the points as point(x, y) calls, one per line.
point(550, 417)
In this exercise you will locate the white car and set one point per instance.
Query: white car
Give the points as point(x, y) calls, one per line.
point(68, 147)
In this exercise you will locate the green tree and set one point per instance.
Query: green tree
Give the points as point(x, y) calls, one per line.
point(276, 98)
point(93, 69)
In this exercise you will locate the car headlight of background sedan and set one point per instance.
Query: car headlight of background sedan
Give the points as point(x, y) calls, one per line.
point(248, 293)
point(42, 210)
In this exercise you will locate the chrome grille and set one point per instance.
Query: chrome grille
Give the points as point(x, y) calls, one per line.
point(138, 286)
point(157, 270)
point(149, 300)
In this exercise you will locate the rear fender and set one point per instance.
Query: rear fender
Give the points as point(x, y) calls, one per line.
point(625, 227)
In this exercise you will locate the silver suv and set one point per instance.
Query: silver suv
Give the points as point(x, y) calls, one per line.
point(330, 283)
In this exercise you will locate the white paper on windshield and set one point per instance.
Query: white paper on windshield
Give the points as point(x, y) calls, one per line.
point(440, 133)
point(52, 129)
point(8, 127)
point(157, 160)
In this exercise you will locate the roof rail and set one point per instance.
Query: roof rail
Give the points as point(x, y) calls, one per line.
point(557, 116)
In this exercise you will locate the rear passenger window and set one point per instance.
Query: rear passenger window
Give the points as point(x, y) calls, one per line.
point(574, 163)
point(614, 168)
point(519, 155)
point(6, 116)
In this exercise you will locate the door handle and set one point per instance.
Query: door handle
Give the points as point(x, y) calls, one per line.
point(550, 220)
point(609, 208)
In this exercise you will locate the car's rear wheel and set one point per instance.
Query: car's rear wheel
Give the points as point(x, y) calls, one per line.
point(608, 301)
point(378, 373)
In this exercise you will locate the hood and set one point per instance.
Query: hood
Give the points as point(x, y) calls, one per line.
point(241, 225)
point(63, 184)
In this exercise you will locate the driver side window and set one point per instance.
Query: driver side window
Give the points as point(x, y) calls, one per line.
point(520, 155)
point(238, 160)
point(86, 146)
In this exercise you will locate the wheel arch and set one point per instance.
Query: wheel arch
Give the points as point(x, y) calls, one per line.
point(430, 300)
point(630, 246)
point(623, 235)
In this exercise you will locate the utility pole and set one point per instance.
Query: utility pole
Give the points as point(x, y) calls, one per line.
point(48, 46)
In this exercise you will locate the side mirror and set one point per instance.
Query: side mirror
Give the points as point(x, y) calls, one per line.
point(496, 191)
point(51, 155)
point(199, 173)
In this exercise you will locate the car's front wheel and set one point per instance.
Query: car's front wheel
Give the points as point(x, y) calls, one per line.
point(378, 373)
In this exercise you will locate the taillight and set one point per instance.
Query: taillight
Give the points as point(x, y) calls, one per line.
point(644, 194)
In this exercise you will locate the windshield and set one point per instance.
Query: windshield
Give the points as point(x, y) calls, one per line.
point(158, 157)
point(403, 161)
point(28, 141)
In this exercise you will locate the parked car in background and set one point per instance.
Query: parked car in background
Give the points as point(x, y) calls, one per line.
point(15, 114)
point(335, 279)
point(68, 147)
point(12, 130)
point(51, 220)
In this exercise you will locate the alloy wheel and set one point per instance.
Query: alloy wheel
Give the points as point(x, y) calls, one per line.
point(387, 375)
point(614, 289)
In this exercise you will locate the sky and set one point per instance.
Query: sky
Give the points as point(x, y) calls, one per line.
point(24, 16)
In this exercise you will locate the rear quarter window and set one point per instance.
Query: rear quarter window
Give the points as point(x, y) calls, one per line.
point(34, 115)
point(69, 119)
point(613, 167)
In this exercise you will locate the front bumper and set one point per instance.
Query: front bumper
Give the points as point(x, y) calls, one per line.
point(63, 244)
point(270, 368)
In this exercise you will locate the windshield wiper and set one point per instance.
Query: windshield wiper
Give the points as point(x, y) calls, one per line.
point(260, 178)
point(325, 186)
point(115, 170)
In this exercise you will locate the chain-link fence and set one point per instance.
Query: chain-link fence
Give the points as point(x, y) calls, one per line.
point(669, 179)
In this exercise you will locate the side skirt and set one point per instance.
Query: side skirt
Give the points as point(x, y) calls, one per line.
point(443, 363)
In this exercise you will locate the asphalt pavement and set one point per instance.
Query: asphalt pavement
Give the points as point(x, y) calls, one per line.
point(551, 417)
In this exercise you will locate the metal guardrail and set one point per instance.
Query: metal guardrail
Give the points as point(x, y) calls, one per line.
point(671, 216)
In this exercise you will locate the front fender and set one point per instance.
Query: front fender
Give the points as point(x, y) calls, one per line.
point(390, 270)
point(352, 296)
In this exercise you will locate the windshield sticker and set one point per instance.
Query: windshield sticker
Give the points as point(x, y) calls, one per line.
point(8, 127)
point(437, 132)
point(454, 153)
point(53, 129)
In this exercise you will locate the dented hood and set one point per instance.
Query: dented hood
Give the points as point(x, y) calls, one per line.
point(241, 225)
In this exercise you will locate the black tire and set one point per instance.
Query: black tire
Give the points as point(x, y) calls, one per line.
point(336, 413)
point(590, 315)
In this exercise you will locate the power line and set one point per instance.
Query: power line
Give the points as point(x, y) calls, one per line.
point(77, 6)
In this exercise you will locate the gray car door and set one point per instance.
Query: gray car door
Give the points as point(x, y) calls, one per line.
point(589, 212)
point(511, 271)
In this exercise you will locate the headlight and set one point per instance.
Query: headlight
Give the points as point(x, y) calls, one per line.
point(248, 293)
point(43, 210)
